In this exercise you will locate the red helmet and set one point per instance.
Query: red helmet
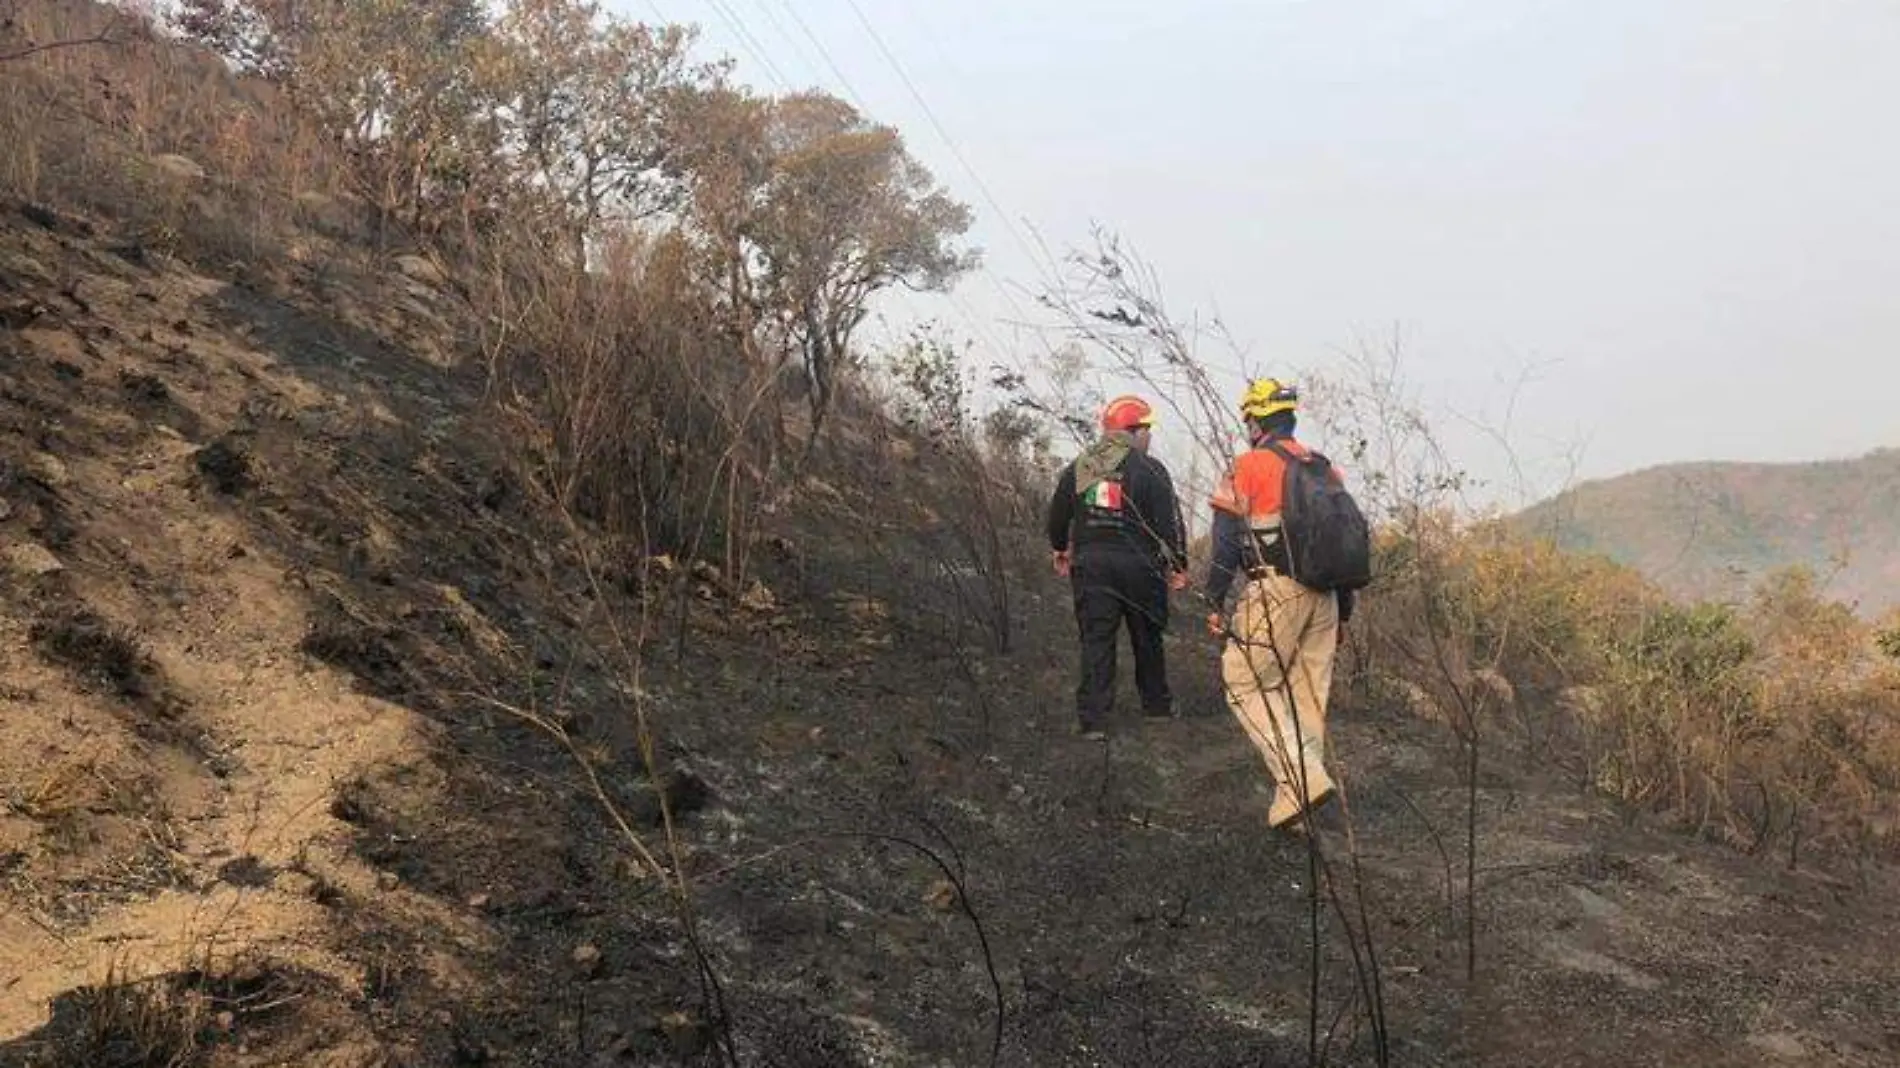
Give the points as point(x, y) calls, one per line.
point(1127, 413)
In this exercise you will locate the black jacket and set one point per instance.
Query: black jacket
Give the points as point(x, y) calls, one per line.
point(1150, 521)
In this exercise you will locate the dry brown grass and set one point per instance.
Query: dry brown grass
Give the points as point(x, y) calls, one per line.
point(167, 1020)
point(158, 1023)
point(123, 128)
point(1771, 723)
point(629, 404)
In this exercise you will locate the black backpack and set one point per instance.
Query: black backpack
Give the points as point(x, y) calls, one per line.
point(1328, 541)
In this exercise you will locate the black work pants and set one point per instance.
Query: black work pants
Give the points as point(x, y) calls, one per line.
point(1112, 588)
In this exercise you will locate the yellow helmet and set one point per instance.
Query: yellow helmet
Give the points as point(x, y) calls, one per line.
point(1268, 396)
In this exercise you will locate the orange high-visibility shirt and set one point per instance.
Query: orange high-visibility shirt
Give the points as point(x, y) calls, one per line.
point(1252, 487)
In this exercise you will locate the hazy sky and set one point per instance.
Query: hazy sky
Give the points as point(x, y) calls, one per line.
point(1679, 218)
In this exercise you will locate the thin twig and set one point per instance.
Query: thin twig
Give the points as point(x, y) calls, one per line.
point(103, 37)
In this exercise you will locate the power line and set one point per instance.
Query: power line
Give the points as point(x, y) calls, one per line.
point(973, 320)
point(1049, 275)
point(751, 44)
point(804, 61)
point(931, 114)
point(825, 53)
point(976, 322)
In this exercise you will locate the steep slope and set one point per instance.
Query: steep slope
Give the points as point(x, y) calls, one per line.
point(267, 598)
point(1709, 530)
point(319, 739)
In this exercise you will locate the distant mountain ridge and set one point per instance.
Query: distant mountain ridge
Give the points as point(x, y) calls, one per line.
point(1712, 529)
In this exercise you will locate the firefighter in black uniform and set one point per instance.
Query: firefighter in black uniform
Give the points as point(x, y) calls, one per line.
point(1115, 530)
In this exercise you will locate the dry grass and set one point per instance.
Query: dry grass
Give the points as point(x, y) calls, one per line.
point(154, 1023)
point(1775, 721)
point(189, 159)
point(100, 654)
point(630, 404)
point(171, 1020)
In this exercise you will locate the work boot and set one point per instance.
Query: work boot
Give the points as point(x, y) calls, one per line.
point(1286, 804)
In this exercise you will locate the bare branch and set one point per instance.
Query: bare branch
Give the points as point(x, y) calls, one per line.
point(105, 36)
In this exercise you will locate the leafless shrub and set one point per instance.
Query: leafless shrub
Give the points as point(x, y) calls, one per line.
point(1109, 302)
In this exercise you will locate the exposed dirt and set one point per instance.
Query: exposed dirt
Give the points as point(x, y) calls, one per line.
point(268, 600)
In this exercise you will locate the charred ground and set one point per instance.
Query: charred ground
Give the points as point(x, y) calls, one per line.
point(316, 726)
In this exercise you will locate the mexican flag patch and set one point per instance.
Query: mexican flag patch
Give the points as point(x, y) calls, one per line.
point(1106, 495)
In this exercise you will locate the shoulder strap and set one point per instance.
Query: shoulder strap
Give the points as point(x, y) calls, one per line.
point(1313, 457)
point(1273, 446)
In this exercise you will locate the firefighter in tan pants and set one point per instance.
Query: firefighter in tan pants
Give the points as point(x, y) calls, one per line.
point(1281, 636)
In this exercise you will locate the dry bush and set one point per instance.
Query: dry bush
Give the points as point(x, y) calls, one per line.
point(158, 1022)
point(168, 1020)
point(999, 462)
point(630, 406)
point(1777, 720)
point(1773, 721)
point(164, 139)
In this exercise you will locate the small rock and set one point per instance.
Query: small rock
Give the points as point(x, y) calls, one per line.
point(1594, 905)
point(587, 960)
point(942, 895)
point(48, 470)
point(758, 598)
point(479, 902)
point(686, 1033)
point(1781, 1045)
point(182, 167)
point(17, 315)
point(420, 269)
point(296, 884)
point(147, 482)
point(33, 560)
point(388, 880)
point(225, 1022)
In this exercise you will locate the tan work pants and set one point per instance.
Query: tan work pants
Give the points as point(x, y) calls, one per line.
point(1279, 659)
